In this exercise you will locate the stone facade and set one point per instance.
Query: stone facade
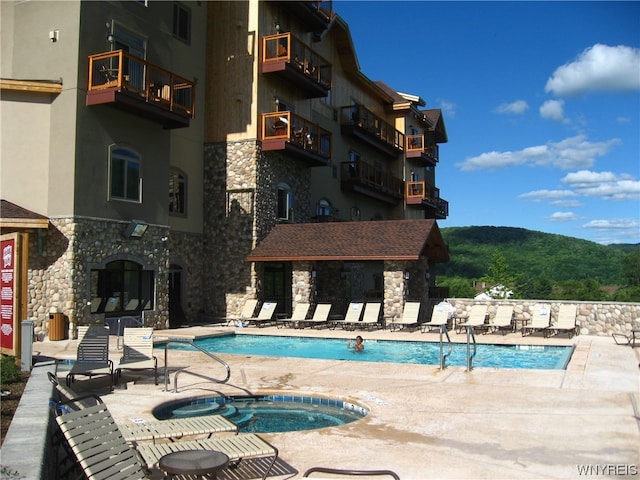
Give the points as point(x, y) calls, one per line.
point(594, 318)
point(61, 260)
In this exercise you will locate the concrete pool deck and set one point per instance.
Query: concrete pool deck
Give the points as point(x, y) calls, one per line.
point(424, 422)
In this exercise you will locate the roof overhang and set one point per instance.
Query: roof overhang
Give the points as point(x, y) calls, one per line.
point(402, 240)
point(15, 217)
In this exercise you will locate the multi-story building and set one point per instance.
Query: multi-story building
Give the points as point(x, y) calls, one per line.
point(107, 108)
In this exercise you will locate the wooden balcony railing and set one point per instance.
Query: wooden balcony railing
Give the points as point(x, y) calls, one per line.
point(358, 121)
point(362, 177)
point(315, 14)
point(282, 130)
point(415, 148)
point(141, 81)
point(285, 53)
point(421, 193)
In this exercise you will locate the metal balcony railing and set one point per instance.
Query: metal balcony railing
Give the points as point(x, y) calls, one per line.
point(420, 193)
point(284, 47)
point(358, 120)
point(376, 180)
point(296, 131)
point(143, 80)
point(415, 147)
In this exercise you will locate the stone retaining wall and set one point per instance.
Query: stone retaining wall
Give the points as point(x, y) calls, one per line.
point(594, 318)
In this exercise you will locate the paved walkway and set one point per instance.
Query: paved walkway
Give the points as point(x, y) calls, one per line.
point(426, 423)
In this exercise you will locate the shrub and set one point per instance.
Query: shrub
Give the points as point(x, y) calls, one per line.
point(9, 370)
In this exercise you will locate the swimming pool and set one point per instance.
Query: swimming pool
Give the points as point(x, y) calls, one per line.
point(391, 351)
point(267, 413)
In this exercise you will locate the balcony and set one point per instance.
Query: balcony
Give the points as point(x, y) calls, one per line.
point(357, 121)
point(316, 15)
point(290, 58)
point(415, 148)
point(367, 179)
point(297, 137)
point(133, 85)
point(421, 193)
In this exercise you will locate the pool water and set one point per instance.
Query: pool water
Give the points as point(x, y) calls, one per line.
point(267, 413)
point(545, 357)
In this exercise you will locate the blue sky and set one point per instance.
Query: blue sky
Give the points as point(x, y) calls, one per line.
point(541, 101)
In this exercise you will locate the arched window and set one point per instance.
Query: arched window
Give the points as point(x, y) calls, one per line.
point(122, 287)
point(177, 192)
point(324, 208)
point(284, 207)
point(125, 182)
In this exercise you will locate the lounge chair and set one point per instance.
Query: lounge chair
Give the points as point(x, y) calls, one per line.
point(502, 320)
point(540, 318)
point(137, 353)
point(352, 317)
point(627, 339)
point(566, 321)
point(476, 319)
point(265, 315)
point(439, 317)
point(371, 316)
point(320, 317)
point(92, 358)
point(350, 473)
point(299, 315)
point(409, 319)
point(102, 451)
point(246, 313)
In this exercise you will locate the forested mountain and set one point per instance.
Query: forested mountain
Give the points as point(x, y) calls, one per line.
point(531, 254)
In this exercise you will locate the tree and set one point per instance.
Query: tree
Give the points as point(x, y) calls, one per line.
point(499, 276)
point(458, 287)
point(631, 268)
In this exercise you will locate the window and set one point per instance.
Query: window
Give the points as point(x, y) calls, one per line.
point(181, 22)
point(284, 210)
point(324, 208)
point(177, 192)
point(124, 175)
point(122, 287)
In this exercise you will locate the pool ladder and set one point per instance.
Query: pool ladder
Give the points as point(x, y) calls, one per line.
point(471, 339)
point(175, 377)
point(443, 356)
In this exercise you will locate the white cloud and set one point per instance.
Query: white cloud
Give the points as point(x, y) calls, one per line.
point(563, 217)
point(567, 203)
point(600, 68)
point(570, 153)
point(607, 185)
point(515, 108)
point(553, 110)
point(623, 120)
point(615, 230)
point(540, 195)
point(447, 107)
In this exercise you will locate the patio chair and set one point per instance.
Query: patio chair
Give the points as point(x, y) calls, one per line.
point(502, 320)
point(540, 318)
point(246, 313)
point(92, 358)
point(409, 319)
point(265, 315)
point(566, 321)
point(477, 318)
point(102, 452)
point(439, 317)
point(371, 316)
point(137, 353)
point(354, 312)
point(350, 473)
point(320, 317)
point(299, 315)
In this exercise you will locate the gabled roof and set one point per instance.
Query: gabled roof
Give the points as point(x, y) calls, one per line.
point(14, 216)
point(435, 117)
point(353, 241)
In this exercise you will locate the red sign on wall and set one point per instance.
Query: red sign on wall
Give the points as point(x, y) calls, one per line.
point(7, 295)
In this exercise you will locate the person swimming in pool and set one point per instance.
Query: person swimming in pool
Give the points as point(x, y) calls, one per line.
point(358, 346)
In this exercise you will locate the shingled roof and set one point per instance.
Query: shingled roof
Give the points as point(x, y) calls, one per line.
point(14, 216)
point(353, 241)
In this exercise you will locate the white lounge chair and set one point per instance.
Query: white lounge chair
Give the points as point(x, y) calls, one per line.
point(320, 317)
point(371, 316)
point(409, 319)
point(137, 353)
point(540, 319)
point(246, 313)
point(439, 316)
point(566, 321)
point(477, 318)
point(502, 320)
point(267, 311)
point(299, 315)
point(352, 317)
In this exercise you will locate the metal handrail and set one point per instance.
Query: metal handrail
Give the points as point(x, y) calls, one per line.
point(443, 356)
point(175, 377)
point(471, 336)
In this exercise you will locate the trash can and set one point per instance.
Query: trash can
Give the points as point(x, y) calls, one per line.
point(57, 324)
